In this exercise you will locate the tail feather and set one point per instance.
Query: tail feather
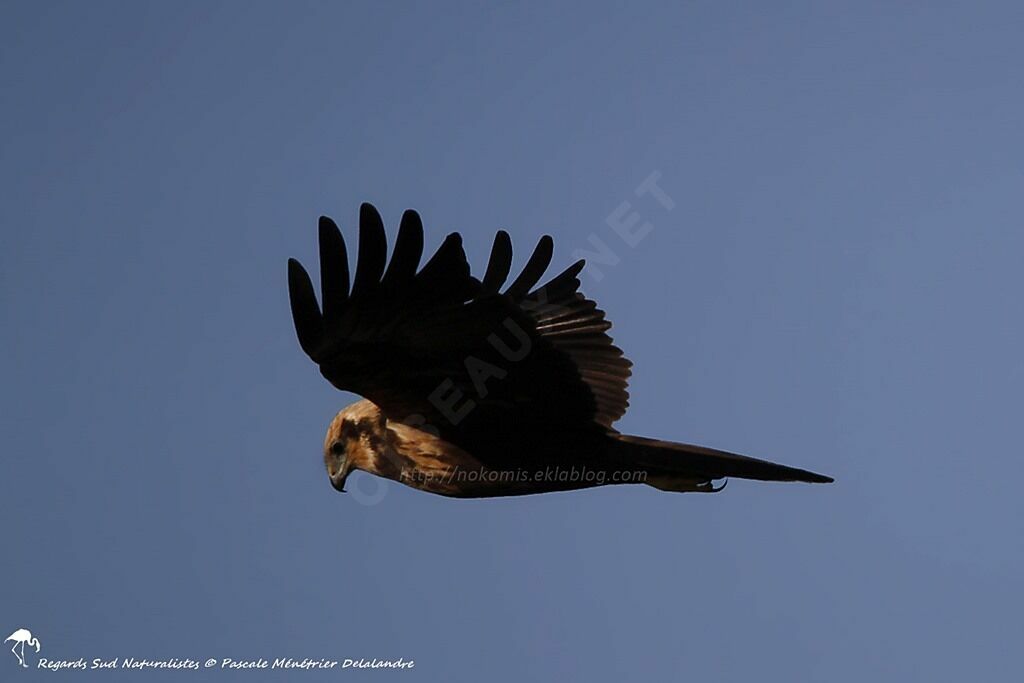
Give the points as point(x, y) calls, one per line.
point(667, 461)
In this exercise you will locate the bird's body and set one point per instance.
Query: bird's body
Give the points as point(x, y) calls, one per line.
point(476, 392)
point(362, 438)
point(415, 456)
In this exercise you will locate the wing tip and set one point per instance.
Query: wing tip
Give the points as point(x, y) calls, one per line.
point(297, 272)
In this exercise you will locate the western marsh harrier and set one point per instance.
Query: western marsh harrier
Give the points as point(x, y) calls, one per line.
point(478, 389)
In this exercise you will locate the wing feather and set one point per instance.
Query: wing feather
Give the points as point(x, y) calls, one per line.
point(408, 251)
point(333, 268)
point(576, 327)
point(533, 270)
point(373, 250)
point(305, 311)
point(498, 266)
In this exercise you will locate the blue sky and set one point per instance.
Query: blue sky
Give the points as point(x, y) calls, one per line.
point(836, 287)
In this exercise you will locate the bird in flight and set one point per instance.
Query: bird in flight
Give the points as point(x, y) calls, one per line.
point(478, 388)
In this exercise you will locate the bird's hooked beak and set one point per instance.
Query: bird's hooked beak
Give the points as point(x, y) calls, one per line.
point(339, 476)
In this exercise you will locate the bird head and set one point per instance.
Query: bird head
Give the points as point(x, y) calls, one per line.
point(355, 439)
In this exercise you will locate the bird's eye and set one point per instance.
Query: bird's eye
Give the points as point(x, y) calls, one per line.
point(337, 448)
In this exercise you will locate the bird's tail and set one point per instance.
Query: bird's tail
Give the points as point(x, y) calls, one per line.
point(673, 466)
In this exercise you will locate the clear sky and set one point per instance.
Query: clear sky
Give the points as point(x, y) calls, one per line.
point(836, 287)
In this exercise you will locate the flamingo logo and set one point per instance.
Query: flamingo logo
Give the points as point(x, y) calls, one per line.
point(22, 637)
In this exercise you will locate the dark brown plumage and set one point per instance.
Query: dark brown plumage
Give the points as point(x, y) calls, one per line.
point(475, 388)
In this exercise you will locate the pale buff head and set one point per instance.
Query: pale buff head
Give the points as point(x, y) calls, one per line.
point(354, 438)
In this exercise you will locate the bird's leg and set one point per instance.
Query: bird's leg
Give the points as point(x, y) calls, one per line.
point(14, 651)
point(709, 487)
point(683, 484)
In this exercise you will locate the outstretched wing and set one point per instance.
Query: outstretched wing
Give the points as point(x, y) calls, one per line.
point(471, 359)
